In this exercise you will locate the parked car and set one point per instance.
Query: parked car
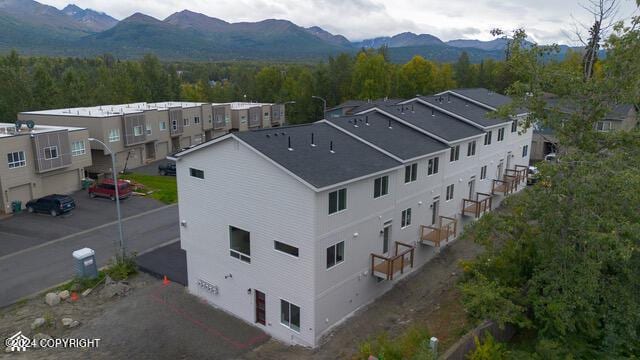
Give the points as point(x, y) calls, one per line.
point(552, 157)
point(107, 189)
point(167, 169)
point(52, 204)
point(534, 175)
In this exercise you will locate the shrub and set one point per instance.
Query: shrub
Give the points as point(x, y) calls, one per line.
point(489, 349)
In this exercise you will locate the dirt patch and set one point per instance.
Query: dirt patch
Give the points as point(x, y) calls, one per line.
point(428, 298)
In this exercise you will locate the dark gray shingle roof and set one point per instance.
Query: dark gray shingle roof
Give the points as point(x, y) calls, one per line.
point(470, 111)
point(484, 96)
point(390, 135)
point(317, 165)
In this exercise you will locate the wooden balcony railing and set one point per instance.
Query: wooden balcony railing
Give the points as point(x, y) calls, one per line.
point(386, 267)
point(477, 207)
point(505, 186)
point(523, 171)
point(433, 235)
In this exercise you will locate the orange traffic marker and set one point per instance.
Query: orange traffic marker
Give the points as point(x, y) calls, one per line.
point(74, 296)
point(165, 281)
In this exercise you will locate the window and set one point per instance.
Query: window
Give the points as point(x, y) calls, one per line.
point(455, 153)
point(16, 159)
point(196, 173)
point(51, 152)
point(337, 201)
point(335, 254)
point(406, 218)
point(483, 172)
point(471, 148)
point(137, 130)
point(174, 125)
point(114, 135)
point(148, 127)
point(240, 244)
point(285, 248)
point(449, 192)
point(196, 120)
point(78, 148)
point(525, 150)
point(604, 126)
point(163, 125)
point(290, 315)
point(432, 166)
point(185, 121)
point(487, 138)
point(380, 186)
point(500, 134)
point(514, 125)
point(410, 173)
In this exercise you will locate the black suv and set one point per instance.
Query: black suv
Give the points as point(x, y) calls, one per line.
point(167, 169)
point(52, 204)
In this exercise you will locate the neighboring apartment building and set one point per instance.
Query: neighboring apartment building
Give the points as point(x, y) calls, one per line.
point(318, 220)
point(142, 132)
point(40, 160)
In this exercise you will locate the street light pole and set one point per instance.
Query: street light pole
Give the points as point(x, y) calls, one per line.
point(324, 105)
point(115, 182)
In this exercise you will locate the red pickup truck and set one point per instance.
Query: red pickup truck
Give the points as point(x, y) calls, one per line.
point(107, 189)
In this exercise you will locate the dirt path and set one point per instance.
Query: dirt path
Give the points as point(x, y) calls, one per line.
point(428, 298)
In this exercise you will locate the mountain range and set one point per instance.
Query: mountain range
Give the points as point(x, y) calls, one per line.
point(37, 29)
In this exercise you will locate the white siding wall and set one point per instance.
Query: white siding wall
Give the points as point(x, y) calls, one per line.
point(243, 190)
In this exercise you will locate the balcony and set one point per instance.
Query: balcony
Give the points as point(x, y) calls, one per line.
point(521, 172)
point(477, 207)
point(385, 267)
point(435, 234)
point(505, 186)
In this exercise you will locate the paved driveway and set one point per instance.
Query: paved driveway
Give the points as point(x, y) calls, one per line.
point(168, 260)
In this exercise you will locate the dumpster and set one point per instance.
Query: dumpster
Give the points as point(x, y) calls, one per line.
point(85, 263)
point(16, 206)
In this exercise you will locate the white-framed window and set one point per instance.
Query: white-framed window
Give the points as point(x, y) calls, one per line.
point(410, 173)
point(78, 148)
point(514, 125)
point(500, 134)
point(286, 248)
point(16, 159)
point(50, 152)
point(185, 121)
point(196, 120)
point(337, 201)
point(290, 315)
point(196, 173)
point(380, 186)
point(525, 151)
point(137, 130)
point(604, 126)
point(240, 244)
point(174, 125)
point(471, 148)
point(432, 166)
point(163, 125)
point(335, 254)
point(455, 153)
point(487, 137)
point(148, 128)
point(406, 218)
point(114, 135)
point(483, 172)
point(449, 195)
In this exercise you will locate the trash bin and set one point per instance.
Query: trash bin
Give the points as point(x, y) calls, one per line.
point(85, 263)
point(16, 206)
point(86, 183)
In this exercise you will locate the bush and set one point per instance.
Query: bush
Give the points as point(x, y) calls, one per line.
point(489, 349)
point(122, 268)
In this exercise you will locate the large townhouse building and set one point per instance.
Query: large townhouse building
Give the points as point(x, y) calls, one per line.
point(318, 220)
point(40, 160)
point(142, 132)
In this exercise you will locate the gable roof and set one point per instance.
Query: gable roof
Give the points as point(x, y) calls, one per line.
point(389, 135)
point(484, 96)
point(477, 114)
point(317, 165)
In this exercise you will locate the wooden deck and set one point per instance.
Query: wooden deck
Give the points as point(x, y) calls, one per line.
point(477, 207)
point(386, 267)
point(435, 234)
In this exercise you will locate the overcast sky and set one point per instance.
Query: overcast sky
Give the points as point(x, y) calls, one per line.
point(546, 21)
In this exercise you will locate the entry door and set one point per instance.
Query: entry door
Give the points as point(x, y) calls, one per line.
point(500, 169)
point(386, 237)
point(435, 210)
point(261, 317)
point(509, 160)
point(472, 188)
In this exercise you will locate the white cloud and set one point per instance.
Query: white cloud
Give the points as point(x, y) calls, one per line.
point(359, 19)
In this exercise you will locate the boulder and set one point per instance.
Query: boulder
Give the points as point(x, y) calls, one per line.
point(67, 321)
point(119, 289)
point(37, 323)
point(64, 295)
point(74, 323)
point(52, 299)
point(108, 280)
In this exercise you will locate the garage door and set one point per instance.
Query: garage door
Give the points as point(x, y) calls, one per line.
point(20, 193)
point(64, 183)
point(162, 150)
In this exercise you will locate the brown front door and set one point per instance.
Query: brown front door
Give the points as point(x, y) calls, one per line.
point(260, 308)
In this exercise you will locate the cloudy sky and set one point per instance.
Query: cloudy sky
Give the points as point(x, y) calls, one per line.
point(546, 21)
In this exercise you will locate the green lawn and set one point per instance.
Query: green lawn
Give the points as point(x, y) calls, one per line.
point(163, 188)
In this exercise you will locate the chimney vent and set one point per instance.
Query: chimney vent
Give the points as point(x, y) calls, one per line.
point(331, 147)
point(366, 120)
point(289, 146)
point(313, 142)
point(390, 124)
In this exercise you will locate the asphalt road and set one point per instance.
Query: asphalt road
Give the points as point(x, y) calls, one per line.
point(35, 250)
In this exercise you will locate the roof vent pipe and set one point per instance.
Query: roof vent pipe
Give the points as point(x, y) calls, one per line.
point(433, 112)
point(290, 148)
point(331, 147)
point(313, 142)
point(366, 120)
point(389, 123)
